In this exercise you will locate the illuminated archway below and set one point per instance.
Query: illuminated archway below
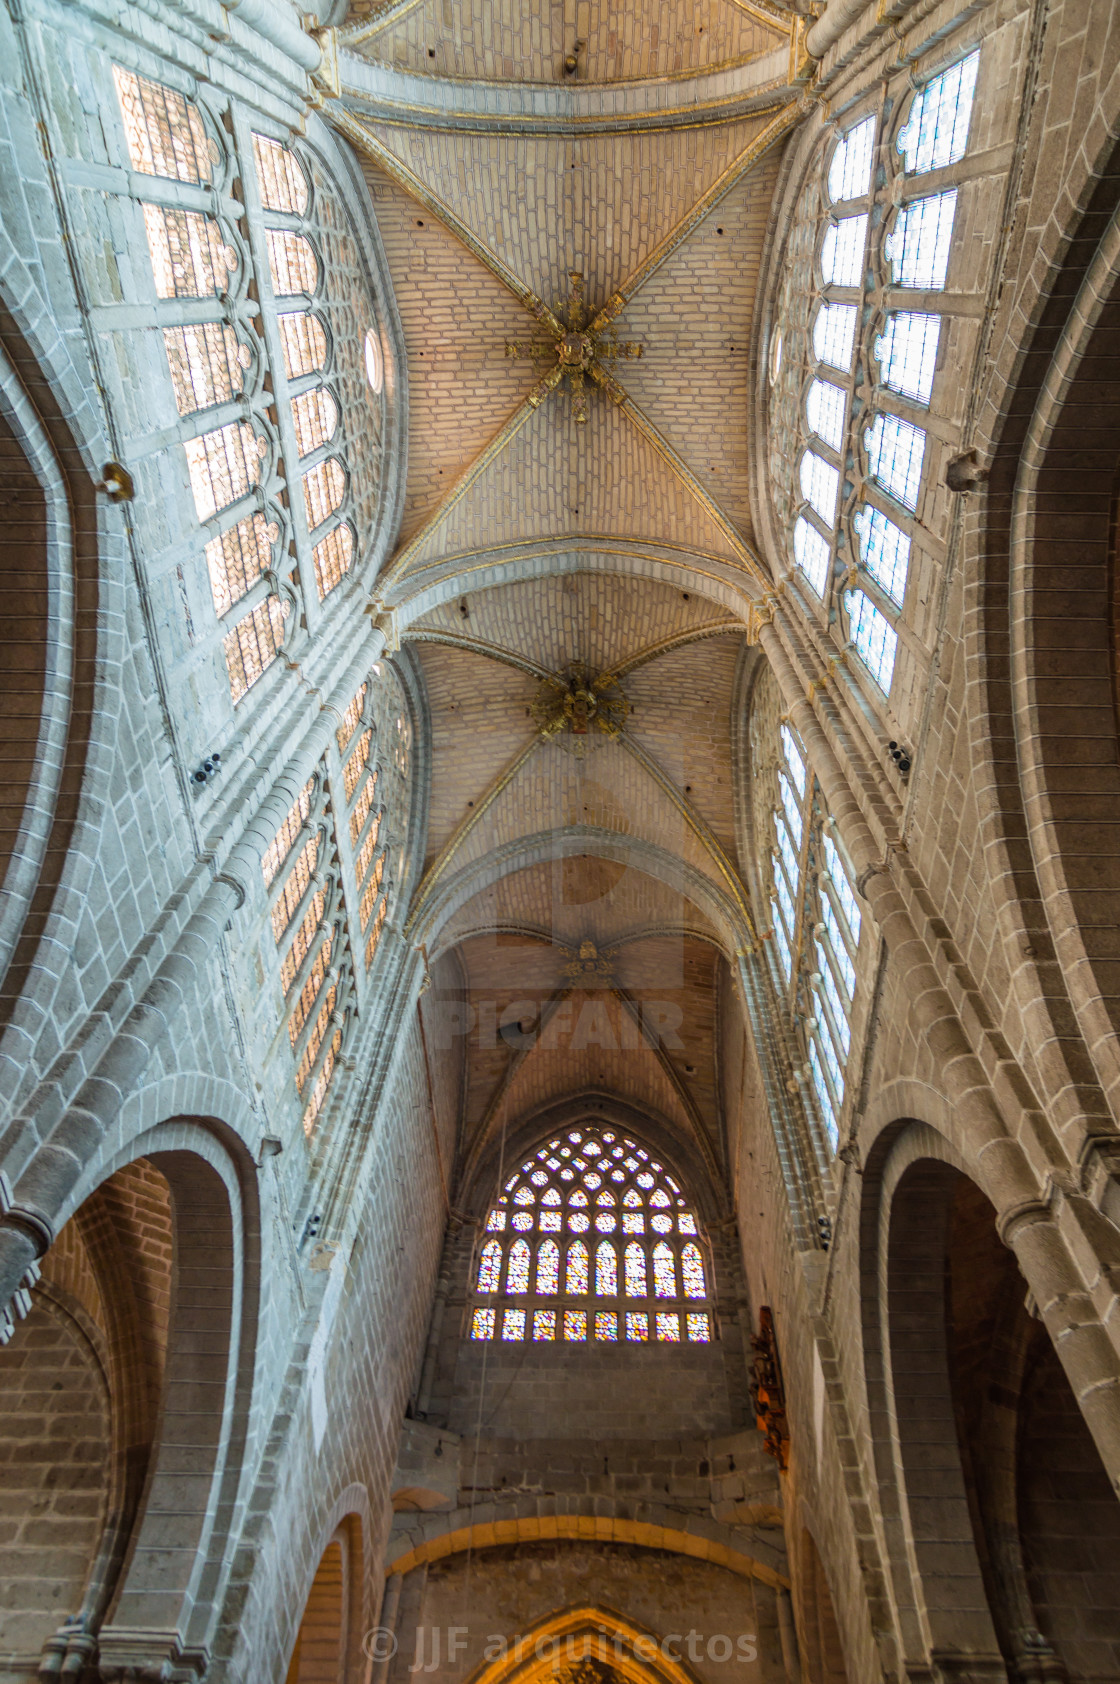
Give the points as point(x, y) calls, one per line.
point(584, 1645)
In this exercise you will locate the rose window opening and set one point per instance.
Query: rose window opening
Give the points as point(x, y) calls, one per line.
point(592, 1239)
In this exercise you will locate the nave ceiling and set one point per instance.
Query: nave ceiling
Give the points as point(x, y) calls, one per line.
point(575, 257)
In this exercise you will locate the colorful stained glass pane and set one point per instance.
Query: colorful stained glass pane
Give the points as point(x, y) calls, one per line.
point(668, 1327)
point(579, 1197)
point(550, 1221)
point(575, 1324)
point(661, 1224)
point(664, 1272)
point(635, 1268)
point(637, 1325)
point(517, 1274)
point(544, 1324)
point(660, 1198)
point(579, 1222)
point(692, 1268)
point(699, 1329)
point(513, 1324)
point(482, 1324)
point(606, 1325)
point(548, 1267)
point(524, 1196)
point(606, 1270)
point(539, 1178)
point(633, 1200)
point(523, 1220)
point(552, 1197)
point(496, 1221)
point(577, 1272)
point(633, 1222)
point(686, 1223)
point(606, 1222)
point(606, 1197)
point(490, 1267)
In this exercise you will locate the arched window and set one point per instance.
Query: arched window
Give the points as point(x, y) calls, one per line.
point(862, 485)
point(816, 920)
point(595, 1225)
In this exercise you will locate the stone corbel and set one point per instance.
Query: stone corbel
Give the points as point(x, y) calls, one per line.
point(327, 79)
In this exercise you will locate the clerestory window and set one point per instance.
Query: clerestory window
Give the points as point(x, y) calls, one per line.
point(862, 478)
point(592, 1239)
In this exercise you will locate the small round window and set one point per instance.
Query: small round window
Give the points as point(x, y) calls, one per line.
point(375, 368)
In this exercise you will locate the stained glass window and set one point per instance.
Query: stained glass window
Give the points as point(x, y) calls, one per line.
point(513, 1323)
point(606, 1270)
point(812, 554)
point(590, 1183)
point(548, 1267)
point(575, 1324)
point(849, 172)
point(635, 1271)
point(669, 1327)
point(577, 1276)
point(936, 131)
point(490, 1267)
point(664, 1272)
point(482, 1324)
point(517, 1277)
point(692, 1268)
point(698, 1327)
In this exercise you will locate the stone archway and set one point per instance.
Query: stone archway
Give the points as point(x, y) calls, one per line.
point(989, 1444)
point(128, 1349)
point(327, 1643)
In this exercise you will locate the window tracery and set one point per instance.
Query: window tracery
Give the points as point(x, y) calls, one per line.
point(862, 475)
point(593, 1217)
point(164, 132)
point(816, 921)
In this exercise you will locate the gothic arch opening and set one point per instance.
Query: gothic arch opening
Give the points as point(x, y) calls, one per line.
point(114, 1416)
point(79, 1407)
point(821, 1652)
point(996, 1460)
point(325, 1644)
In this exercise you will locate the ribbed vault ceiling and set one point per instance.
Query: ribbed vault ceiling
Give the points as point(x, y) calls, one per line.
point(535, 226)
